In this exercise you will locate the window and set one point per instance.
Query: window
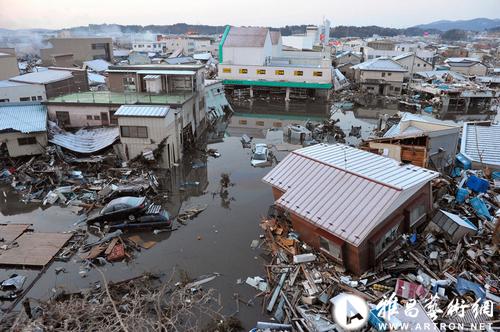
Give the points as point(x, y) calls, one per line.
point(243, 71)
point(33, 98)
point(4, 100)
point(63, 118)
point(242, 122)
point(99, 46)
point(259, 123)
point(134, 131)
point(396, 89)
point(279, 72)
point(298, 73)
point(129, 84)
point(39, 97)
point(389, 74)
point(89, 117)
point(226, 70)
point(277, 124)
point(418, 64)
point(386, 240)
point(383, 74)
point(261, 71)
point(24, 99)
point(26, 141)
point(317, 73)
point(416, 214)
point(425, 65)
point(333, 249)
point(112, 118)
point(97, 117)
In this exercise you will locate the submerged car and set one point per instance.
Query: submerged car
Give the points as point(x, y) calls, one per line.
point(132, 212)
point(260, 155)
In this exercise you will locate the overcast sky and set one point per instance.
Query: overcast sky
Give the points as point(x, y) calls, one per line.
point(20, 14)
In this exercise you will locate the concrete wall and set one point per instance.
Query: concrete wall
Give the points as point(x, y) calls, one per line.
point(8, 66)
point(16, 150)
point(270, 73)
point(16, 92)
point(81, 48)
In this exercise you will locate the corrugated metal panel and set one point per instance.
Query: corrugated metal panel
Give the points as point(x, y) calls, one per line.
point(246, 37)
point(480, 142)
point(142, 110)
point(369, 165)
point(349, 202)
point(43, 77)
point(151, 77)
point(87, 140)
point(23, 117)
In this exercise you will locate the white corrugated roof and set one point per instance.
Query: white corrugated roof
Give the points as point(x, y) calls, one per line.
point(43, 77)
point(380, 64)
point(344, 190)
point(87, 140)
point(481, 142)
point(409, 118)
point(97, 65)
point(142, 111)
point(23, 117)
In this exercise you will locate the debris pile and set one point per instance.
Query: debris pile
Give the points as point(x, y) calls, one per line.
point(453, 261)
point(138, 304)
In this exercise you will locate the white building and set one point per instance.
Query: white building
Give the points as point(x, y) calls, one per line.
point(16, 91)
point(145, 127)
point(370, 54)
point(412, 63)
point(252, 57)
point(23, 128)
point(467, 66)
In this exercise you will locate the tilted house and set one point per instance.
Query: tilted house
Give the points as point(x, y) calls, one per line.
point(351, 204)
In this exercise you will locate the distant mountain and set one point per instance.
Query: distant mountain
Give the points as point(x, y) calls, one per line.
point(477, 24)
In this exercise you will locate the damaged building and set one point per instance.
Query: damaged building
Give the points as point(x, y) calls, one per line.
point(350, 204)
point(381, 76)
point(419, 140)
point(480, 144)
point(23, 129)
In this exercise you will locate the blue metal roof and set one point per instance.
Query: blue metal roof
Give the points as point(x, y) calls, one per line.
point(142, 111)
point(23, 117)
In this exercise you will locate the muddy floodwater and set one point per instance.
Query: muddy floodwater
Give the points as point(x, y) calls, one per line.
point(217, 240)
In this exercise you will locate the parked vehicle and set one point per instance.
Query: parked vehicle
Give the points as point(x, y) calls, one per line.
point(298, 133)
point(260, 155)
point(132, 212)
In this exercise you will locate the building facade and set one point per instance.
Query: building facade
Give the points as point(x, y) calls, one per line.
point(82, 49)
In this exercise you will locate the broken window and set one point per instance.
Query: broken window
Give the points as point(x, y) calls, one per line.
point(134, 131)
point(417, 213)
point(89, 117)
point(386, 240)
point(332, 248)
point(383, 74)
point(97, 117)
point(26, 140)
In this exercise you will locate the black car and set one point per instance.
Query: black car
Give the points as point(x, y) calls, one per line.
point(132, 212)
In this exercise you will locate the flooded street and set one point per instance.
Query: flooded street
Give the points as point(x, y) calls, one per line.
point(218, 239)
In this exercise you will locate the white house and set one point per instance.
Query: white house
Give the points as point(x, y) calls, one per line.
point(412, 63)
point(23, 128)
point(145, 127)
point(382, 76)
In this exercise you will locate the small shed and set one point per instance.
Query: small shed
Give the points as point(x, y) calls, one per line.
point(453, 226)
point(23, 128)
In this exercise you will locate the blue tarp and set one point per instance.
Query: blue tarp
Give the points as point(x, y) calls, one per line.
point(464, 286)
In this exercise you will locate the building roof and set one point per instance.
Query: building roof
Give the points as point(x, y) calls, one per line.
point(380, 64)
point(85, 140)
point(481, 142)
point(246, 37)
point(8, 84)
point(97, 65)
point(406, 55)
point(142, 111)
point(463, 60)
point(440, 74)
point(202, 56)
point(43, 77)
point(23, 117)
point(275, 37)
point(346, 191)
point(410, 121)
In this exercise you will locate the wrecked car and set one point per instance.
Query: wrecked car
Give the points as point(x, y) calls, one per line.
point(260, 155)
point(132, 212)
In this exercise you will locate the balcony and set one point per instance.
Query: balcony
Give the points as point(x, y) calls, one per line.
point(123, 98)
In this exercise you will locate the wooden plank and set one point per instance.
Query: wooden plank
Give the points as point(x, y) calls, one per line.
point(35, 249)
point(10, 232)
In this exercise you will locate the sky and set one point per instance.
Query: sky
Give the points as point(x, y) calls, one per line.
point(57, 14)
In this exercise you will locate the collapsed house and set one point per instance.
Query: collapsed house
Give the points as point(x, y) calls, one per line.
point(350, 204)
point(481, 144)
point(420, 140)
point(380, 76)
point(23, 128)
